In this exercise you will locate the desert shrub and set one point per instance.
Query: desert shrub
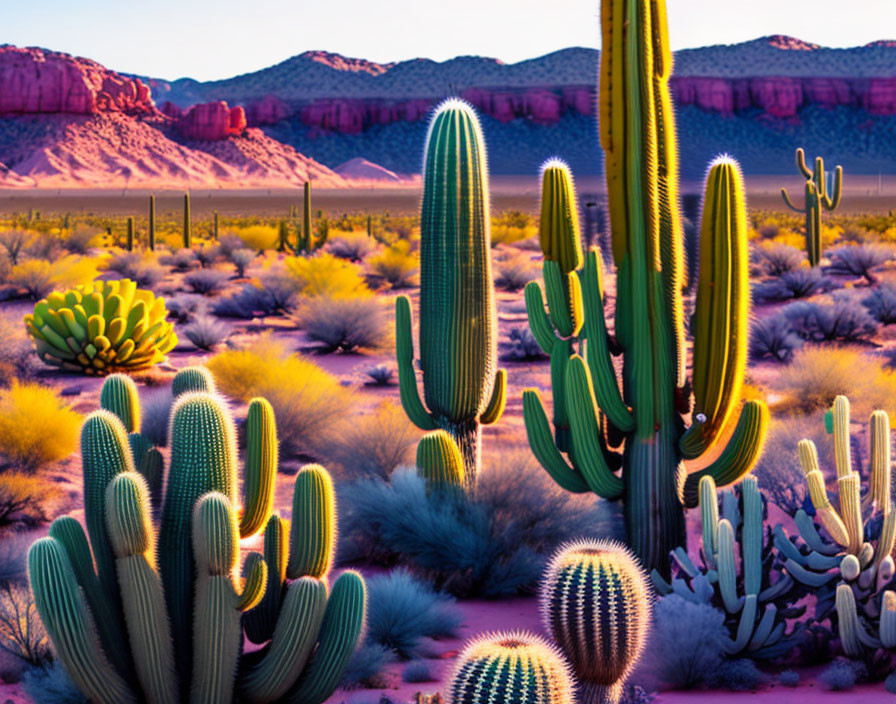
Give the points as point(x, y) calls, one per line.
point(51, 685)
point(740, 675)
point(373, 444)
point(36, 427)
point(366, 664)
point(326, 275)
point(353, 246)
point(515, 271)
point(23, 500)
point(14, 243)
point(773, 337)
point(18, 361)
point(205, 332)
point(205, 281)
point(881, 304)
point(398, 264)
point(405, 611)
point(817, 375)
point(800, 283)
point(44, 245)
point(860, 260)
point(13, 556)
point(840, 320)
point(22, 634)
point(345, 324)
point(228, 243)
point(776, 259)
point(687, 643)
point(380, 374)
point(134, 266)
point(259, 237)
point(418, 671)
point(155, 409)
point(181, 260)
point(185, 306)
point(491, 544)
point(81, 240)
point(279, 292)
point(512, 226)
point(207, 255)
point(39, 277)
point(789, 678)
point(307, 400)
point(241, 259)
point(523, 346)
point(842, 675)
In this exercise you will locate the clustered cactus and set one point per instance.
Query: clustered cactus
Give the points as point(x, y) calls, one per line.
point(166, 623)
point(646, 408)
point(819, 196)
point(462, 386)
point(101, 327)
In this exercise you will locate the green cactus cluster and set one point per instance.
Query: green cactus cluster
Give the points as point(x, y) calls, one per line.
point(626, 437)
point(101, 327)
point(163, 615)
point(819, 196)
point(463, 389)
point(844, 552)
point(595, 601)
point(740, 574)
point(509, 667)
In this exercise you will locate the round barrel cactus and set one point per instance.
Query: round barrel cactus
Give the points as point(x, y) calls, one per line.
point(596, 606)
point(101, 327)
point(508, 667)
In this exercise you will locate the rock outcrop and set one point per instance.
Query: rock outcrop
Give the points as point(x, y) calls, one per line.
point(212, 121)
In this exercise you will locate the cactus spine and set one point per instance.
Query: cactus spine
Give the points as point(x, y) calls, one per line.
point(510, 667)
point(151, 233)
point(187, 233)
point(596, 605)
point(817, 199)
point(130, 235)
point(647, 406)
point(462, 386)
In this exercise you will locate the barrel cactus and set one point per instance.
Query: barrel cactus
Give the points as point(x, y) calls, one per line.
point(101, 328)
point(462, 386)
point(439, 461)
point(819, 196)
point(515, 667)
point(596, 606)
point(160, 618)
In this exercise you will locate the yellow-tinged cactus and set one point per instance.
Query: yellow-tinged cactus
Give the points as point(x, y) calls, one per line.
point(101, 328)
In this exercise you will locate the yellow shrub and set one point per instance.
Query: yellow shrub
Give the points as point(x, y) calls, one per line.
point(307, 400)
point(39, 277)
point(259, 237)
point(25, 499)
point(36, 426)
point(397, 264)
point(511, 234)
point(326, 275)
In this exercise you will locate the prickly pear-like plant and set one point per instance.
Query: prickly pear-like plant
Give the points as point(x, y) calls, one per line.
point(845, 553)
point(510, 667)
point(439, 461)
point(758, 599)
point(595, 601)
point(101, 327)
point(817, 199)
point(462, 386)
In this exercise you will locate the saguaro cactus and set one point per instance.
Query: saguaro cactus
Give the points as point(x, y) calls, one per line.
point(188, 234)
point(817, 199)
point(305, 238)
point(510, 667)
point(648, 406)
point(596, 605)
point(462, 386)
point(151, 232)
point(129, 245)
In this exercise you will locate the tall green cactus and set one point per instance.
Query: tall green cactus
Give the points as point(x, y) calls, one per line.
point(817, 199)
point(151, 233)
point(647, 407)
point(462, 386)
point(509, 667)
point(119, 396)
point(129, 243)
point(187, 231)
point(596, 605)
point(215, 226)
point(143, 654)
point(305, 238)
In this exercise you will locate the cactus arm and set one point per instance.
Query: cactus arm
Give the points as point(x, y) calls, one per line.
point(881, 469)
point(541, 440)
point(660, 584)
point(341, 631)
point(539, 321)
point(801, 164)
point(606, 387)
point(727, 568)
point(887, 538)
point(789, 202)
point(498, 400)
point(832, 201)
point(887, 628)
point(564, 297)
point(738, 457)
point(407, 378)
point(806, 527)
point(294, 637)
point(853, 636)
point(777, 590)
point(259, 622)
point(807, 577)
point(842, 445)
point(255, 583)
point(751, 536)
point(68, 622)
point(744, 626)
point(312, 533)
point(583, 414)
point(788, 550)
point(709, 518)
point(764, 629)
point(261, 467)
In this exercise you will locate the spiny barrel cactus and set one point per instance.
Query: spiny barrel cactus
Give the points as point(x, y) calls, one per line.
point(101, 327)
point(193, 379)
point(462, 386)
point(119, 396)
point(644, 408)
point(848, 548)
point(439, 461)
point(172, 632)
point(595, 601)
point(509, 667)
point(758, 599)
point(817, 199)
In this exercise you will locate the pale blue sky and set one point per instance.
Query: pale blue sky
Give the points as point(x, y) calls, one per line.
point(210, 40)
